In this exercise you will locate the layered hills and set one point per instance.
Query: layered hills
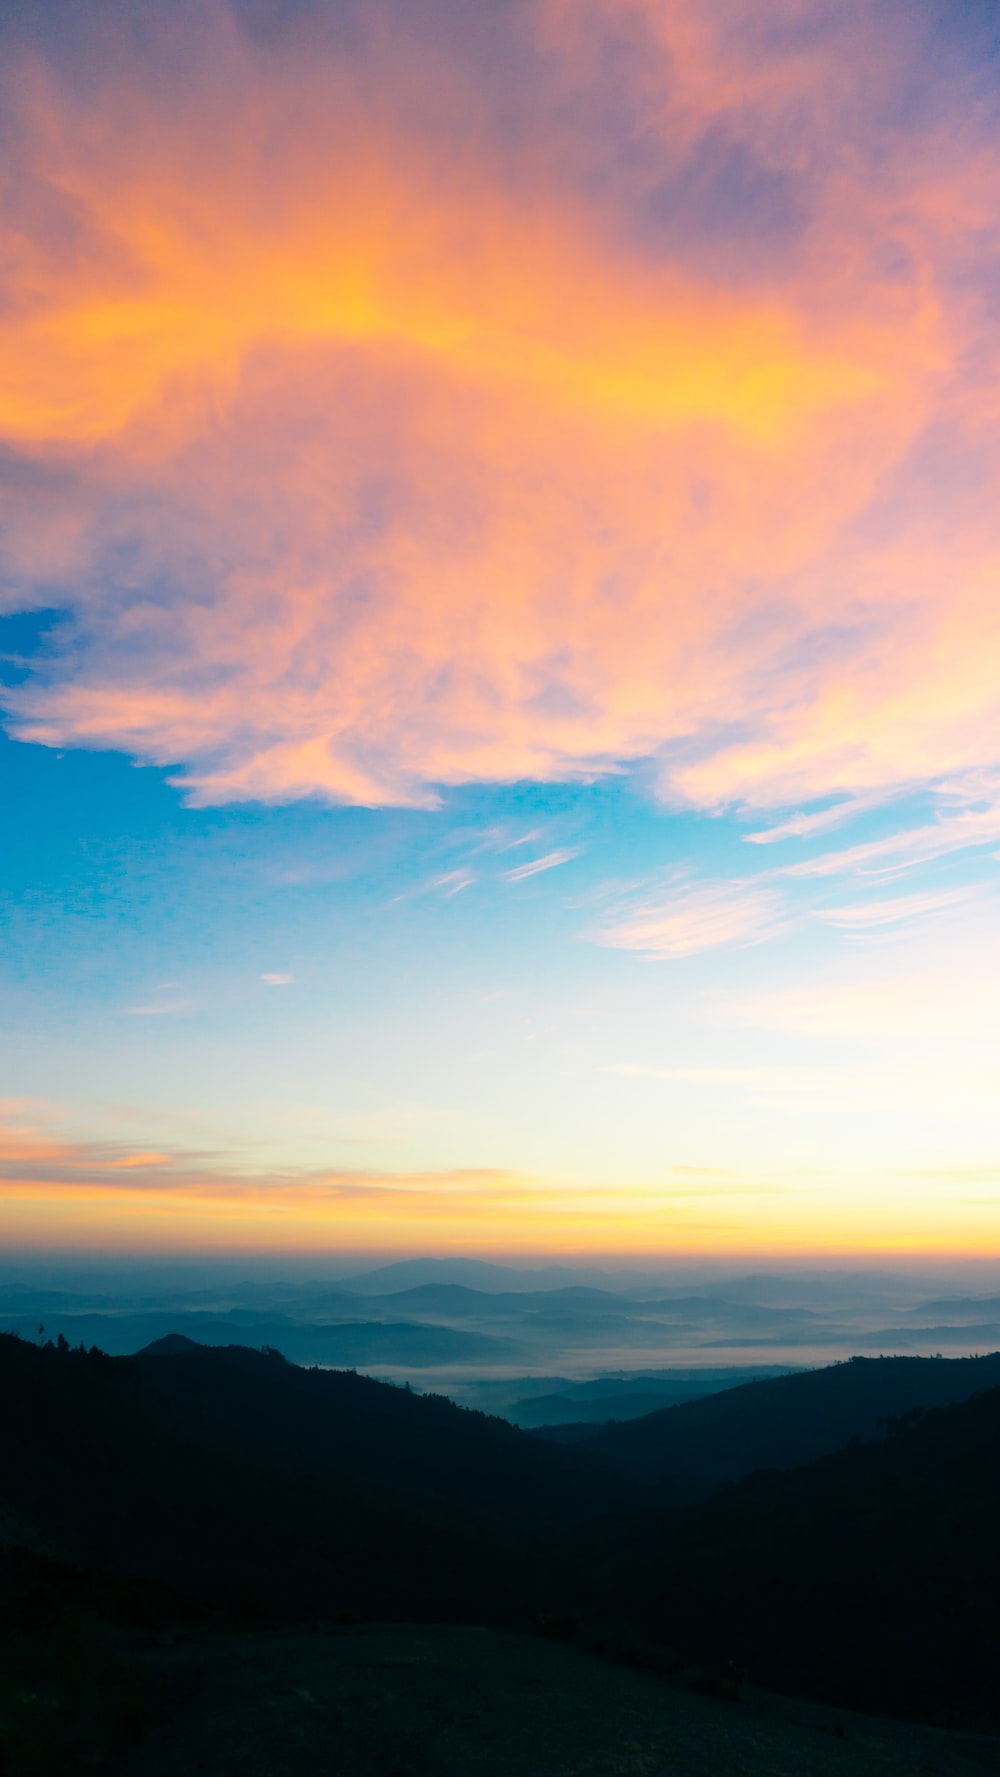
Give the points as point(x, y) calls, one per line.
point(460, 1328)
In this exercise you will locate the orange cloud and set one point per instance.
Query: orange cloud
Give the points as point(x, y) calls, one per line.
point(57, 1190)
point(372, 451)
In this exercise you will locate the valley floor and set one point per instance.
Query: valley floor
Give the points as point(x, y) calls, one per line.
point(435, 1701)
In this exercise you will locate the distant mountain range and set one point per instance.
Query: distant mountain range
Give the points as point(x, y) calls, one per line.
point(425, 1320)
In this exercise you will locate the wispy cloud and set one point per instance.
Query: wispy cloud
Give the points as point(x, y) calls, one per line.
point(102, 1190)
point(549, 862)
point(278, 980)
point(452, 882)
point(682, 921)
point(870, 915)
point(805, 826)
point(902, 851)
point(158, 1009)
point(528, 838)
point(36, 1153)
point(130, 1162)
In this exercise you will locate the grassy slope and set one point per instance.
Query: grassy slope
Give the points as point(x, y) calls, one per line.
point(436, 1702)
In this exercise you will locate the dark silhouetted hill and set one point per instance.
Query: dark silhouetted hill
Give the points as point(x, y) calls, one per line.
point(231, 1472)
point(870, 1578)
point(557, 1413)
point(867, 1578)
point(777, 1423)
point(343, 1344)
point(580, 1407)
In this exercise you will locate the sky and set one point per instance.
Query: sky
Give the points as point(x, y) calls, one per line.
point(500, 627)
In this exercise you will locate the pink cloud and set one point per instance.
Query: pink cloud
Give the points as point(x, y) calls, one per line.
point(364, 466)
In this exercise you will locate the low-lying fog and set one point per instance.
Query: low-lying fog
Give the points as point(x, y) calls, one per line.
point(543, 1343)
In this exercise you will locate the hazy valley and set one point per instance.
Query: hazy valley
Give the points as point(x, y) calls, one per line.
point(586, 1346)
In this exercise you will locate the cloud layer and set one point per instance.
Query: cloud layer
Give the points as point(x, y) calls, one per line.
point(58, 1190)
point(390, 402)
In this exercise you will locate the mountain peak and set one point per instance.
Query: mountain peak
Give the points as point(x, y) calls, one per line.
point(171, 1345)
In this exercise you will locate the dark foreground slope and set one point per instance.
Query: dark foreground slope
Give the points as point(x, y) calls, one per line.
point(232, 1473)
point(871, 1577)
point(410, 1701)
point(452, 1702)
point(781, 1422)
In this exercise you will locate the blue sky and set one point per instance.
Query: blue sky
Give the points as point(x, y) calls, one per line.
point(428, 1011)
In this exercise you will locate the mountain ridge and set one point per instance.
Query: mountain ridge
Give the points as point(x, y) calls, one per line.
point(776, 1422)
